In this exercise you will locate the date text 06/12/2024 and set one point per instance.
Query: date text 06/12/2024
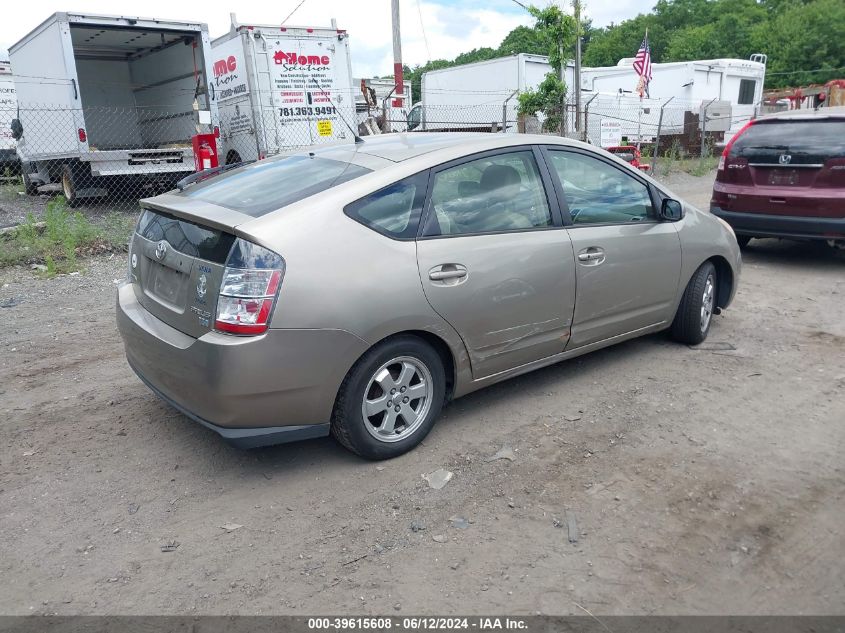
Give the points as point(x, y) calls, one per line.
point(417, 624)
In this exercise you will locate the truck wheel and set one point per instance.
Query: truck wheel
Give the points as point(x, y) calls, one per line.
point(695, 312)
point(232, 157)
point(390, 399)
point(30, 187)
point(73, 179)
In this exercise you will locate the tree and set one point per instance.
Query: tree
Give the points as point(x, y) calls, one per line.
point(524, 39)
point(559, 30)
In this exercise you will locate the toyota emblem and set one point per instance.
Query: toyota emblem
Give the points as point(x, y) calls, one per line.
point(161, 249)
point(784, 159)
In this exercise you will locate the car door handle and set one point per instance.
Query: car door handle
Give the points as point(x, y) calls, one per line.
point(592, 256)
point(445, 272)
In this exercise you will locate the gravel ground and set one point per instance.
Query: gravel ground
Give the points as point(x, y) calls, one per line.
point(648, 478)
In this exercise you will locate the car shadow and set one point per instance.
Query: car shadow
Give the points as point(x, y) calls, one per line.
point(793, 254)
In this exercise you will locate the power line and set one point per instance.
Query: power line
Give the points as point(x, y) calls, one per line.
point(816, 70)
point(296, 8)
point(422, 26)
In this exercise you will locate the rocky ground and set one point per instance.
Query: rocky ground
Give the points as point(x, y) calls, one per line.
point(648, 478)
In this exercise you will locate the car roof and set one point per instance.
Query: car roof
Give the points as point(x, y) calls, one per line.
point(396, 148)
point(806, 114)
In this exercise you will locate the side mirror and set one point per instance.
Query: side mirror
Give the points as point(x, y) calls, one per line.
point(671, 210)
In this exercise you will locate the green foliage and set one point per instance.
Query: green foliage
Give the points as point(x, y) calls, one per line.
point(61, 236)
point(558, 30)
point(797, 35)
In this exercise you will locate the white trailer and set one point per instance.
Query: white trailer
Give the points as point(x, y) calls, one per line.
point(106, 101)
point(733, 88)
point(381, 101)
point(8, 112)
point(281, 87)
point(479, 96)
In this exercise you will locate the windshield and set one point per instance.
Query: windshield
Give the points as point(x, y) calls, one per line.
point(260, 188)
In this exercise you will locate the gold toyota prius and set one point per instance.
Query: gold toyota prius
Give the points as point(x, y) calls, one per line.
point(354, 289)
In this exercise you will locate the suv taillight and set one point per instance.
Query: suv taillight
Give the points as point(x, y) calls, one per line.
point(727, 151)
point(248, 291)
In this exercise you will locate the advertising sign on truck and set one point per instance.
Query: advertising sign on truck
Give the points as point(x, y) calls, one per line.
point(280, 88)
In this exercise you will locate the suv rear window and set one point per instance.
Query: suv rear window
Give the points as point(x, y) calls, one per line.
point(807, 140)
point(260, 188)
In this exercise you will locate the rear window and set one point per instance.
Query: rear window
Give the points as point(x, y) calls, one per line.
point(819, 138)
point(263, 187)
point(186, 237)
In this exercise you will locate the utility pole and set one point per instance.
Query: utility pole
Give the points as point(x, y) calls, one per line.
point(576, 8)
point(398, 79)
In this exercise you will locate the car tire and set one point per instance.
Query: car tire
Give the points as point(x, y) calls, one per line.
point(75, 176)
point(367, 421)
point(30, 187)
point(695, 312)
point(743, 240)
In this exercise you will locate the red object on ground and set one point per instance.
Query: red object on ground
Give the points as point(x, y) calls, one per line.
point(205, 151)
point(630, 154)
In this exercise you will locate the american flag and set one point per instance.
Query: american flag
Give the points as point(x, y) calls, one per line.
point(642, 66)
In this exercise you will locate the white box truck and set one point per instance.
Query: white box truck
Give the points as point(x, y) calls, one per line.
point(480, 96)
point(8, 113)
point(381, 101)
point(281, 87)
point(108, 102)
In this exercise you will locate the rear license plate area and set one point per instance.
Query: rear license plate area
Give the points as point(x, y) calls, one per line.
point(783, 177)
point(166, 284)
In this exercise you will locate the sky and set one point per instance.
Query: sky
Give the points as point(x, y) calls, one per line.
point(431, 29)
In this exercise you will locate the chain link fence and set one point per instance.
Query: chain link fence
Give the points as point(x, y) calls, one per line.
point(115, 155)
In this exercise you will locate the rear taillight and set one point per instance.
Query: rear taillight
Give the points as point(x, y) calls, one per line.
point(248, 291)
point(82, 135)
point(727, 151)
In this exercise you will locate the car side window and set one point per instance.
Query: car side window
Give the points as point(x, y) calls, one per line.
point(503, 192)
point(599, 193)
point(395, 210)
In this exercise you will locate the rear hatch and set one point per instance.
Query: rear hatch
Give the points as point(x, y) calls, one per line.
point(785, 166)
point(193, 268)
point(177, 264)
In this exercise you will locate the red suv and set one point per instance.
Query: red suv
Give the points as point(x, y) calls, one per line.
point(783, 175)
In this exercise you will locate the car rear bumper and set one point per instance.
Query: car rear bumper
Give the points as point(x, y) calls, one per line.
point(253, 391)
point(797, 227)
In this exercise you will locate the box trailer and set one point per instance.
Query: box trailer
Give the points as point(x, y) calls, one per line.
point(281, 87)
point(109, 101)
point(480, 96)
point(733, 88)
point(8, 113)
point(376, 99)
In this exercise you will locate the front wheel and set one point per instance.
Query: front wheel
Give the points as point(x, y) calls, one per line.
point(695, 312)
point(390, 399)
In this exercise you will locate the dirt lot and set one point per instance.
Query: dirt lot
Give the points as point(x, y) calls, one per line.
point(698, 481)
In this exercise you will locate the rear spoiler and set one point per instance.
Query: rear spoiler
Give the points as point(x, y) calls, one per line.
point(208, 173)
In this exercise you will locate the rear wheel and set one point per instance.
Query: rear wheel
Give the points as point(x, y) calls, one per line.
point(743, 240)
point(390, 399)
point(694, 316)
point(73, 179)
point(232, 157)
point(29, 186)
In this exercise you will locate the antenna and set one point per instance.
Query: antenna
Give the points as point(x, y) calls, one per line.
point(357, 138)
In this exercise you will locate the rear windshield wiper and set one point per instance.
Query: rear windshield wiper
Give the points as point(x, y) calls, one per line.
point(208, 173)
